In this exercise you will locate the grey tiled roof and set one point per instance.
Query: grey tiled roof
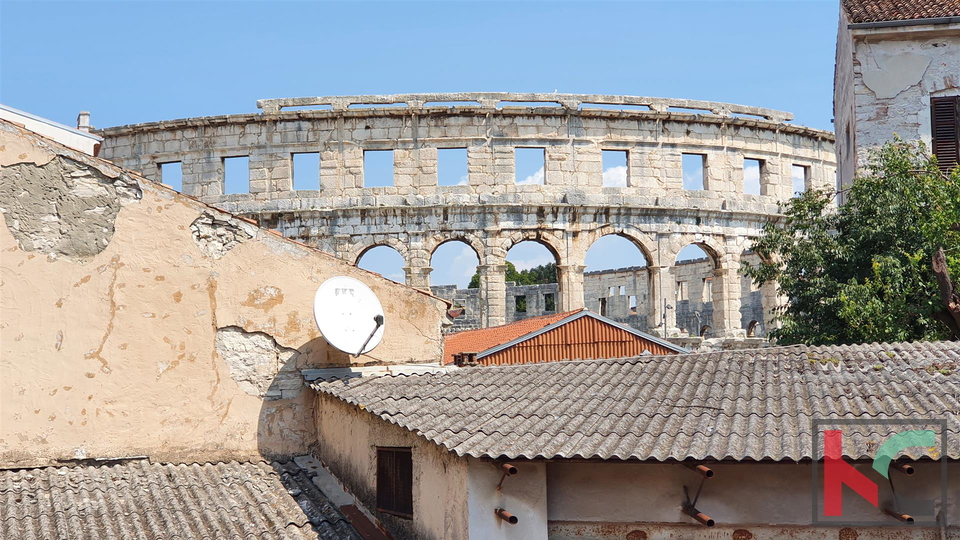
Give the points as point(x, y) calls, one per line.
point(749, 404)
point(142, 500)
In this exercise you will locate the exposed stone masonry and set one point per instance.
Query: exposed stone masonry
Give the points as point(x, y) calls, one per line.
point(491, 213)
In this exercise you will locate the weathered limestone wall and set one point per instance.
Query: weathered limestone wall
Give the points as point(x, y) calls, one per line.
point(138, 321)
point(348, 440)
point(492, 212)
point(893, 73)
point(611, 293)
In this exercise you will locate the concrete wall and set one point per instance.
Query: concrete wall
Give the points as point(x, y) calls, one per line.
point(894, 72)
point(492, 212)
point(137, 321)
point(347, 442)
point(523, 495)
point(641, 500)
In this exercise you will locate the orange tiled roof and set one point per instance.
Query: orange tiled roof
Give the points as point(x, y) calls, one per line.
point(862, 11)
point(485, 338)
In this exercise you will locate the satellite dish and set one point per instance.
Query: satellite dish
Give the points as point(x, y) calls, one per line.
point(348, 315)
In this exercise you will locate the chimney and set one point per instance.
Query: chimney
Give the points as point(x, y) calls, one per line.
point(83, 121)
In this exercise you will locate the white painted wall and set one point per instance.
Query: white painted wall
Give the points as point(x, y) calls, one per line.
point(523, 495)
point(740, 495)
point(895, 72)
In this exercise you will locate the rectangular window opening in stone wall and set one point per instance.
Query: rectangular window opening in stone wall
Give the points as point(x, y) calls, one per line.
point(530, 166)
point(633, 305)
point(549, 302)
point(306, 170)
point(377, 168)
point(681, 291)
point(707, 290)
point(452, 167)
point(693, 166)
point(395, 481)
point(945, 131)
point(520, 303)
point(171, 174)
point(751, 176)
point(615, 168)
point(623, 290)
point(801, 178)
point(236, 174)
point(603, 306)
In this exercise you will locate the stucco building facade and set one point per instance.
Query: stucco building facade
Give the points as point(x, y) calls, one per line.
point(896, 62)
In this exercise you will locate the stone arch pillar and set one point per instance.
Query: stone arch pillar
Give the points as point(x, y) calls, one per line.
point(668, 301)
point(654, 300)
point(570, 280)
point(417, 269)
point(726, 299)
point(770, 301)
point(493, 294)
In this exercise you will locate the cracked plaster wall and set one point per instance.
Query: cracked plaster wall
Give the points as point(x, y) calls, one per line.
point(151, 345)
point(893, 74)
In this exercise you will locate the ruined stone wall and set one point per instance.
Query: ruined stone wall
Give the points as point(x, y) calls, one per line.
point(893, 73)
point(491, 212)
point(138, 321)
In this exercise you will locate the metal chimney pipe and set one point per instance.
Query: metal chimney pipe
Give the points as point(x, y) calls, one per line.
point(702, 470)
point(506, 516)
point(702, 518)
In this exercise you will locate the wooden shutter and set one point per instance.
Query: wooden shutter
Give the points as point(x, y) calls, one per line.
point(946, 131)
point(395, 481)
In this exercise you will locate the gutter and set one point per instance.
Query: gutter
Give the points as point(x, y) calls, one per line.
point(907, 22)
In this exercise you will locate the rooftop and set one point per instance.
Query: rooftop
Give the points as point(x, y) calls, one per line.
point(866, 11)
point(143, 500)
point(732, 405)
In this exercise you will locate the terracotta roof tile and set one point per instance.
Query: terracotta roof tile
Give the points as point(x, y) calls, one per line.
point(863, 11)
point(485, 338)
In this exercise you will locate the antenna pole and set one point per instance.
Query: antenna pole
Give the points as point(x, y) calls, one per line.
point(377, 319)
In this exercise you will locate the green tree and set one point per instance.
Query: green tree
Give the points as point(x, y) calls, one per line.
point(538, 275)
point(863, 272)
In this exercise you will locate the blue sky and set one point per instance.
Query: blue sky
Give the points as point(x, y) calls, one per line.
point(141, 61)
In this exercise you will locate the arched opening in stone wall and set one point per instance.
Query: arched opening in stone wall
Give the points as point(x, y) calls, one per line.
point(616, 281)
point(532, 286)
point(755, 301)
point(693, 300)
point(385, 261)
point(455, 278)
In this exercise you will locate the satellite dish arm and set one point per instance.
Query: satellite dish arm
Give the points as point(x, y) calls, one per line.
point(377, 319)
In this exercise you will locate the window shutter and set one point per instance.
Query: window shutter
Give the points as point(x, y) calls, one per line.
point(395, 481)
point(946, 131)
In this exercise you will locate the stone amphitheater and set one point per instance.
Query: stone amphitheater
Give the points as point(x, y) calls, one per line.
point(491, 213)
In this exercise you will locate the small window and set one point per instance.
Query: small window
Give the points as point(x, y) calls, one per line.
point(623, 290)
point(171, 174)
point(693, 166)
point(529, 166)
point(520, 303)
point(549, 302)
point(707, 289)
point(681, 290)
point(395, 481)
point(603, 306)
point(801, 176)
point(614, 168)
point(377, 168)
point(452, 167)
point(236, 175)
point(306, 170)
point(633, 305)
point(751, 176)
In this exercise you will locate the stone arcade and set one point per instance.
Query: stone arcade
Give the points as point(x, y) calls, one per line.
point(492, 213)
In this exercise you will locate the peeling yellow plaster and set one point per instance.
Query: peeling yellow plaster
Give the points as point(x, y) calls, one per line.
point(155, 385)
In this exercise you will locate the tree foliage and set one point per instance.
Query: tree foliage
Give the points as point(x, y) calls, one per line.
point(863, 272)
point(538, 275)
